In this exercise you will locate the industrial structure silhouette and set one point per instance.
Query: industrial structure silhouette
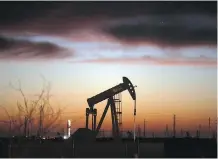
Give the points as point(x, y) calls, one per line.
point(96, 141)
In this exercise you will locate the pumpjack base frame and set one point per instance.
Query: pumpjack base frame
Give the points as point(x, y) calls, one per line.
point(115, 125)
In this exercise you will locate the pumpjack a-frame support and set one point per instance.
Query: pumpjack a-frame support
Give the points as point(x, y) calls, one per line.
point(115, 125)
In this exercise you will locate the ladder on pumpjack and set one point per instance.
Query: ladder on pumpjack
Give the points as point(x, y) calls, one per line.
point(118, 105)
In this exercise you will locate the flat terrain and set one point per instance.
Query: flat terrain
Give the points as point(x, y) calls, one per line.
point(152, 148)
point(64, 149)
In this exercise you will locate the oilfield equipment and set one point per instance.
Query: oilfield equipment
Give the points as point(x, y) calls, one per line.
point(116, 112)
point(112, 96)
point(68, 128)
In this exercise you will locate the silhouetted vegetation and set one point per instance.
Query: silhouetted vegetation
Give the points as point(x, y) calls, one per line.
point(33, 116)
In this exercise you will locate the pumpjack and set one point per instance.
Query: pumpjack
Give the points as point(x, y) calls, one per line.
point(108, 95)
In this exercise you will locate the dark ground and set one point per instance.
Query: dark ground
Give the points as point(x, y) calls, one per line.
point(152, 148)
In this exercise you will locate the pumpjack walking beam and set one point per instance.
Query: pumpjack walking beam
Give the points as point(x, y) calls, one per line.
point(108, 94)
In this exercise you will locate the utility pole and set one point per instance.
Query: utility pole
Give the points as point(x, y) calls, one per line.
point(41, 121)
point(174, 125)
point(144, 129)
point(153, 134)
point(209, 127)
point(103, 133)
point(28, 127)
point(31, 127)
point(199, 130)
point(10, 128)
point(167, 131)
point(10, 125)
point(139, 131)
point(25, 126)
point(137, 134)
point(181, 132)
point(63, 132)
point(215, 129)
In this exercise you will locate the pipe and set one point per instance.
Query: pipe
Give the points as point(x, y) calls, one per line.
point(134, 120)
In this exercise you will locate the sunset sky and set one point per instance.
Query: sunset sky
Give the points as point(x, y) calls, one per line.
point(167, 49)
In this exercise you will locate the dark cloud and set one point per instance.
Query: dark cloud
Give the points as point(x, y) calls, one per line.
point(167, 30)
point(21, 49)
point(174, 23)
point(19, 11)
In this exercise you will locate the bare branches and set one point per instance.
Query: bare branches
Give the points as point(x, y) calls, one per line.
point(23, 95)
point(9, 117)
point(55, 118)
point(39, 110)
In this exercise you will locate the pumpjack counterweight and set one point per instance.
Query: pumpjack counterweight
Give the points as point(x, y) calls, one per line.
point(109, 95)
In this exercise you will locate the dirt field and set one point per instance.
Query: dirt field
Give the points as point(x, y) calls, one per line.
point(111, 149)
point(65, 149)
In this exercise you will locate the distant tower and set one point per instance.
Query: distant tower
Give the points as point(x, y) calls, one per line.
point(167, 131)
point(199, 129)
point(68, 127)
point(174, 125)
